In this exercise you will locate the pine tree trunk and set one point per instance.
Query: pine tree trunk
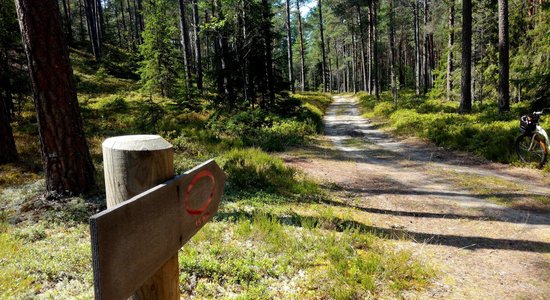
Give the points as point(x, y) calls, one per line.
point(248, 67)
point(140, 15)
point(8, 152)
point(137, 30)
point(363, 63)
point(427, 69)
point(392, 54)
point(466, 80)
point(124, 28)
point(504, 60)
point(289, 45)
point(90, 8)
point(81, 16)
point(337, 53)
point(132, 32)
point(67, 21)
point(223, 83)
point(374, 49)
point(330, 77)
point(101, 21)
point(417, 71)
point(302, 55)
point(268, 55)
point(369, 51)
point(346, 70)
point(353, 62)
point(67, 162)
point(186, 43)
point(196, 37)
point(136, 24)
point(402, 61)
point(450, 49)
point(117, 24)
point(324, 58)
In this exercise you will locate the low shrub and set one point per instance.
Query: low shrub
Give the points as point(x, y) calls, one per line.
point(484, 132)
point(255, 128)
point(253, 169)
point(384, 109)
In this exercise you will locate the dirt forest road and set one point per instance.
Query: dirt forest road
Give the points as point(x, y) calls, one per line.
point(444, 205)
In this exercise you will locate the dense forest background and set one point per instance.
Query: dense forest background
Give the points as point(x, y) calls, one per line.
point(245, 52)
point(231, 57)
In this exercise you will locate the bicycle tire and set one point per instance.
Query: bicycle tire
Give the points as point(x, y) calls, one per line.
point(538, 155)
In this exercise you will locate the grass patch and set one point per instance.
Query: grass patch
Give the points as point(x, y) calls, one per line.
point(45, 260)
point(260, 255)
point(253, 169)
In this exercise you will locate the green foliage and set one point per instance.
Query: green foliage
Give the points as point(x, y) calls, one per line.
point(530, 65)
point(9, 29)
point(253, 169)
point(485, 132)
point(301, 115)
point(159, 66)
point(258, 129)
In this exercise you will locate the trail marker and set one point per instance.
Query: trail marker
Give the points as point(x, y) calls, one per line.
point(134, 239)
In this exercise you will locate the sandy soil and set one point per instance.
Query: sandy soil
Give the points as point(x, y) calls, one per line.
point(482, 248)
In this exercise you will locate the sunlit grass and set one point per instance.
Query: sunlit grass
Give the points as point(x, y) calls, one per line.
point(272, 237)
point(485, 132)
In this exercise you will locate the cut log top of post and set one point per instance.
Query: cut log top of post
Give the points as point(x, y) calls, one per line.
point(141, 142)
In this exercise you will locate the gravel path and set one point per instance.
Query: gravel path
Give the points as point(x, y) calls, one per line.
point(442, 205)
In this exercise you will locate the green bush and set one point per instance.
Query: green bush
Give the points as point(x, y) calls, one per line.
point(384, 109)
point(255, 128)
point(484, 132)
point(252, 169)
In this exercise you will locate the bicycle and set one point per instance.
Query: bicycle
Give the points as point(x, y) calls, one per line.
point(532, 145)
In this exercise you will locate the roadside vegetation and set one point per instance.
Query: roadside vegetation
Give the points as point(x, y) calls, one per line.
point(274, 235)
point(485, 132)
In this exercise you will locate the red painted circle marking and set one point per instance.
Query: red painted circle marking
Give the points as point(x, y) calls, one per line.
point(200, 210)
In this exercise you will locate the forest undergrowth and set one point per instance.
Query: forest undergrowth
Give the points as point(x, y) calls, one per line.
point(484, 132)
point(273, 237)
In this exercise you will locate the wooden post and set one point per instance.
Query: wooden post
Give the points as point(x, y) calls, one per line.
point(134, 164)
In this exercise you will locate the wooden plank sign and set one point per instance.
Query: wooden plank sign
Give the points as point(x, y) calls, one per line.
point(132, 240)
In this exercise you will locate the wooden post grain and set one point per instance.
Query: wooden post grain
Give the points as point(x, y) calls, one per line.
point(132, 165)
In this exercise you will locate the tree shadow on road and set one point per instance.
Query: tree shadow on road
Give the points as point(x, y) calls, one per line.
point(337, 224)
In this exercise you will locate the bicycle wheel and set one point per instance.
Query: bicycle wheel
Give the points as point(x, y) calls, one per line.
point(531, 151)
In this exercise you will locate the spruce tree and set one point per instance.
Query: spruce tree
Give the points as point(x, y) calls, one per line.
point(158, 70)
